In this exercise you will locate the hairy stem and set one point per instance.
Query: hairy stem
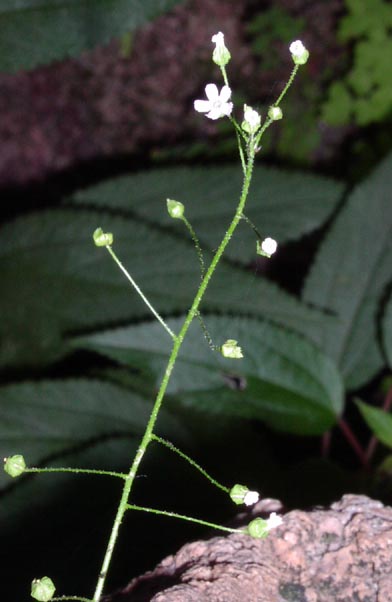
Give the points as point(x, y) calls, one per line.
point(178, 340)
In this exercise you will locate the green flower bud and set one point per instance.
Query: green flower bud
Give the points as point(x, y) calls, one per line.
point(102, 239)
point(221, 55)
point(238, 493)
point(275, 113)
point(14, 465)
point(299, 53)
point(231, 350)
point(42, 589)
point(175, 209)
point(258, 528)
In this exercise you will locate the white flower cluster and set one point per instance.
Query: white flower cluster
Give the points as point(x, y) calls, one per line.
point(218, 103)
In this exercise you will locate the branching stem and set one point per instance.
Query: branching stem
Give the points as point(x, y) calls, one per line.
point(177, 342)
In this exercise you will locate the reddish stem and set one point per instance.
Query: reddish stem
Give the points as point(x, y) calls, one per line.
point(353, 441)
point(325, 444)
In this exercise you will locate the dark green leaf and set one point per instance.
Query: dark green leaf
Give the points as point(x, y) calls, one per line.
point(387, 331)
point(284, 205)
point(378, 421)
point(283, 378)
point(350, 274)
point(49, 417)
point(33, 32)
point(55, 280)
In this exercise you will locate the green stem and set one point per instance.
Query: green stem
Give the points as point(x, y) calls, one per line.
point(251, 224)
point(206, 334)
point(190, 519)
point(170, 446)
point(109, 473)
point(177, 342)
point(197, 245)
point(139, 291)
point(287, 86)
point(75, 598)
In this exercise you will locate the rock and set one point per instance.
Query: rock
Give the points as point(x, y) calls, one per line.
point(337, 554)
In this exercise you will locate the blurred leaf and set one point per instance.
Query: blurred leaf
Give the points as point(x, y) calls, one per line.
point(350, 274)
point(27, 495)
point(337, 110)
point(38, 419)
point(379, 422)
point(55, 280)
point(283, 378)
point(364, 95)
point(387, 331)
point(33, 32)
point(281, 204)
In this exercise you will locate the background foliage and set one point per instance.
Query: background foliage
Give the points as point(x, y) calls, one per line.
point(80, 357)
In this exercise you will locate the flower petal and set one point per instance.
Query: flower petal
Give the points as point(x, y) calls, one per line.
point(214, 114)
point(202, 106)
point(225, 94)
point(212, 92)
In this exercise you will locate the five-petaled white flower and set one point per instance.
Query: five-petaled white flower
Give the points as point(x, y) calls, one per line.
point(273, 521)
point(217, 105)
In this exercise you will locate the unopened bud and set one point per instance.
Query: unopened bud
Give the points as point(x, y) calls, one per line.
point(299, 53)
point(275, 113)
point(251, 121)
point(260, 528)
point(102, 239)
point(231, 350)
point(42, 589)
point(221, 54)
point(240, 494)
point(14, 465)
point(175, 209)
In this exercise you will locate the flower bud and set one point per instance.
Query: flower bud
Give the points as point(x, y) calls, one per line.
point(231, 350)
point(275, 113)
point(42, 589)
point(299, 53)
point(220, 55)
point(175, 209)
point(102, 239)
point(240, 494)
point(251, 121)
point(258, 528)
point(14, 465)
point(266, 247)
point(237, 493)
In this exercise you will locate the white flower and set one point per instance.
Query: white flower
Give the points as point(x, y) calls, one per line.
point(251, 121)
point(273, 521)
point(221, 54)
point(268, 247)
point(251, 497)
point(299, 53)
point(217, 104)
